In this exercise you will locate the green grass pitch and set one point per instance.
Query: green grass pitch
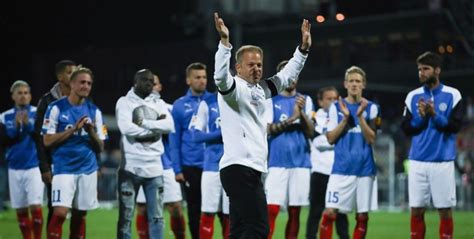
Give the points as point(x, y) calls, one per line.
point(101, 224)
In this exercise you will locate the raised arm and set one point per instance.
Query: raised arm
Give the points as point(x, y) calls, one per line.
point(290, 72)
point(222, 77)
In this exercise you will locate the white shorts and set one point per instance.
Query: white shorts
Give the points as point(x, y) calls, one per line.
point(172, 189)
point(77, 191)
point(213, 197)
point(345, 190)
point(26, 187)
point(288, 186)
point(430, 180)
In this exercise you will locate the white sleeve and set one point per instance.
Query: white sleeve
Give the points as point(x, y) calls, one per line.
point(125, 124)
point(99, 125)
point(163, 126)
point(374, 111)
point(309, 107)
point(2, 118)
point(268, 114)
point(51, 123)
point(222, 77)
point(333, 122)
point(286, 76)
point(201, 118)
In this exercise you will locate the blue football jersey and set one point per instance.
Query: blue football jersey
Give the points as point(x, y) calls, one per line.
point(289, 149)
point(353, 155)
point(21, 155)
point(432, 142)
point(75, 155)
point(207, 119)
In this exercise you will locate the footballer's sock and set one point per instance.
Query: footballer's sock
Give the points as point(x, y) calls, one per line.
point(178, 226)
point(360, 229)
point(417, 227)
point(225, 223)
point(55, 227)
point(25, 224)
point(273, 211)
point(37, 216)
point(446, 228)
point(293, 224)
point(142, 226)
point(206, 228)
point(78, 226)
point(325, 229)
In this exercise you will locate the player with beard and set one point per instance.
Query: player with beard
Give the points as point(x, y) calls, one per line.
point(432, 117)
point(188, 156)
point(289, 164)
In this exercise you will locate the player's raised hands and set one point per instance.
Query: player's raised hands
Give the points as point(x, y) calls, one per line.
point(305, 35)
point(429, 108)
point(21, 118)
point(89, 126)
point(345, 111)
point(421, 105)
point(80, 123)
point(362, 106)
point(222, 29)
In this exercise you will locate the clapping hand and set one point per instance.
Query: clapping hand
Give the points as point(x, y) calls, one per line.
point(421, 107)
point(345, 111)
point(362, 107)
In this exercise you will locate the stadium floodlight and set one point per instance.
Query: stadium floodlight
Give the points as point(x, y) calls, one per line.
point(340, 17)
point(320, 18)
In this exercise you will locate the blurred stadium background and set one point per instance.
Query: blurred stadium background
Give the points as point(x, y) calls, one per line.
point(384, 37)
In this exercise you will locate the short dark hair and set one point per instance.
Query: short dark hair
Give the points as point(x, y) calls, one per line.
point(324, 90)
point(143, 73)
point(195, 66)
point(429, 58)
point(281, 65)
point(61, 66)
point(81, 70)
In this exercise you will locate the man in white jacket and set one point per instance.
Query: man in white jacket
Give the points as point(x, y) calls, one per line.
point(142, 119)
point(241, 102)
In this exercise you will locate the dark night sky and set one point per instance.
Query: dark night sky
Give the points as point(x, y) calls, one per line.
point(61, 28)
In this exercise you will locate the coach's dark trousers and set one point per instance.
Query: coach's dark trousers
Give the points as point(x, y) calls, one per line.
point(248, 204)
